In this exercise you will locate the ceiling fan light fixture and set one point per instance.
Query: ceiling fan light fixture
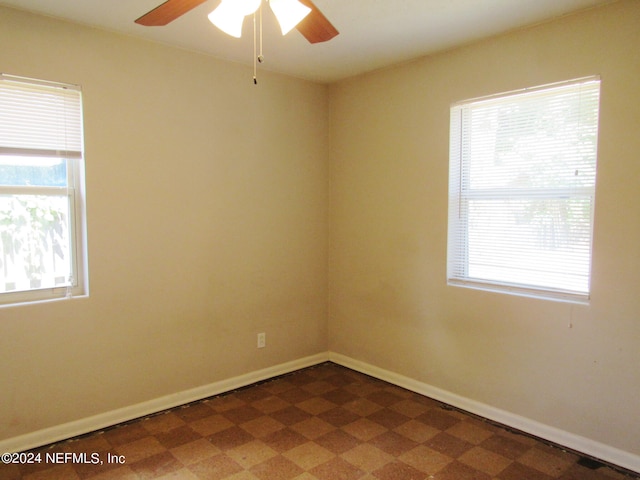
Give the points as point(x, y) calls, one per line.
point(229, 15)
point(289, 13)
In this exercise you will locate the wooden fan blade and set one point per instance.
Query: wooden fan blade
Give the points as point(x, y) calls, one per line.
point(316, 27)
point(167, 12)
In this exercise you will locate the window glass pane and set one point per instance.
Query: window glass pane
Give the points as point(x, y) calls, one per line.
point(533, 140)
point(540, 243)
point(34, 171)
point(522, 190)
point(34, 242)
point(42, 245)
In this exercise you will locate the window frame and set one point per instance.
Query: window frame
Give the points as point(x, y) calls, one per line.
point(460, 193)
point(74, 191)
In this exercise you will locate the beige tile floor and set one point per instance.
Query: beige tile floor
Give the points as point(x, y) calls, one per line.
point(322, 423)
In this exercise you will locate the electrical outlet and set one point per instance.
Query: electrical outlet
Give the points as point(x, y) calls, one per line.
point(262, 340)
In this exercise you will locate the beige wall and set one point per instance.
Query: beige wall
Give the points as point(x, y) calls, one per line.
point(207, 211)
point(389, 302)
point(209, 207)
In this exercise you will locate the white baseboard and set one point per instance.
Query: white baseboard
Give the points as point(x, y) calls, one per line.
point(569, 440)
point(107, 419)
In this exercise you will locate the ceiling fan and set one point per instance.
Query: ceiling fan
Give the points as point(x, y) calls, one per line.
point(315, 27)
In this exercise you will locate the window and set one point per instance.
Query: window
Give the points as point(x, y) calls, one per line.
point(41, 191)
point(522, 190)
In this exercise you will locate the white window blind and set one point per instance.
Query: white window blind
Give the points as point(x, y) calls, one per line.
point(522, 190)
point(40, 118)
point(41, 190)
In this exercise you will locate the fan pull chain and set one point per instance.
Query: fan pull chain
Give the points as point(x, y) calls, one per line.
point(260, 56)
point(255, 65)
point(257, 57)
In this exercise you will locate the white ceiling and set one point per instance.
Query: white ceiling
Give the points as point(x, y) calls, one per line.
point(373, 33)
